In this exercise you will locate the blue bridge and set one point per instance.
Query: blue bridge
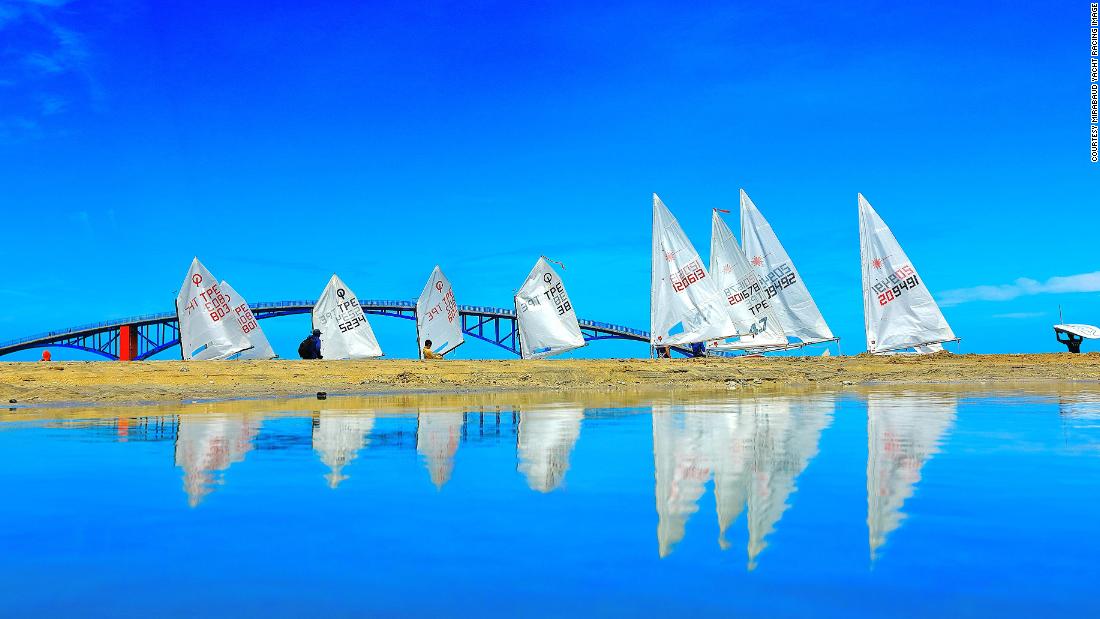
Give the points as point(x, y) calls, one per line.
point(141, 337)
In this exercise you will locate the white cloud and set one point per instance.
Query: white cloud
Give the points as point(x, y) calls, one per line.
point(1082, 282)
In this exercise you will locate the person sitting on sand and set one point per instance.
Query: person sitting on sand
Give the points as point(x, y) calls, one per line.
point(427, 352)
point(310, 348)
point(664, 352)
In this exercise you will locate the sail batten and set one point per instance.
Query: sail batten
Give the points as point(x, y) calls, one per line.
point(437, 316)
point(208, 325)
point(345, 332)
point(686, 305)
point(898, 310)
point(546, 318)
point(784, 285)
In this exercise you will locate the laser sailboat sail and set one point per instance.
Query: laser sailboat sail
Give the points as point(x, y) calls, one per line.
point(685, 303)
point(757, 324)
point(783, 283)
point(208, 325)
point(437, 317)
point(261, 347)
point(898, 309)
point(345, 332)
point(547, 322)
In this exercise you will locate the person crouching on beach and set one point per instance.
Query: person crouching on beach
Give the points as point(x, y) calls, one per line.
point(310, 348)
point(427, 352)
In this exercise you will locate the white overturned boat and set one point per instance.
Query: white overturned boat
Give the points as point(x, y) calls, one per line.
point(686, 305)
point(899, 312)
point(208, 325)
point(345, 332)
point(547, 321)
point(1073, 335)
point(783, 285)
point(437, 317)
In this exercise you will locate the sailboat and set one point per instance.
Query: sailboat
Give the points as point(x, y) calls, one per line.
point(898, 310)
point(208, 325)
point(686, 305)
point(261, 348)
point(903, 433)
point(783, 284)
point(546, 437)
point(437, 317)
point(758, 326)
point(547, 322)
point(345, 332)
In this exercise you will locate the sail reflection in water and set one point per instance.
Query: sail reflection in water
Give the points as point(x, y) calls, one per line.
point(437, 437)
point(209, 445)
point(754, 449)
point(903, 433)
point(547, 435)
point(337, 438)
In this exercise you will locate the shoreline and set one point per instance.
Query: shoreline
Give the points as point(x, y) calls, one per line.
point(99, 382)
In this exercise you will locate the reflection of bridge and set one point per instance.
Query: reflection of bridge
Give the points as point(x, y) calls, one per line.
point(141, 337)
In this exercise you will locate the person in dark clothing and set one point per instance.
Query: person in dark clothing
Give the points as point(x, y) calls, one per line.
point(698, 349)
point(310, 348)
point(664, 352)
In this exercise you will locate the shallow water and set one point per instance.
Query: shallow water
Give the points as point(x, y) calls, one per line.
point(855, 504)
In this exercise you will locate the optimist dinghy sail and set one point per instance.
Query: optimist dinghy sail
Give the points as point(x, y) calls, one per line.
point(898, 309)
point(261, 348)
point(783, 284)
point(208, 325)
point(437, 317)
point(345, 332)
point(547, 323)
point(685, 303)
point(747, 303)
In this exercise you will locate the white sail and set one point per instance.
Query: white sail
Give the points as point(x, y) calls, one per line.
point(208, 326)
point(682, 467)
point(338, 436)
point(685, 303)
point(903, 433)
point(898, 309)
point(345, 332)
point(783, 283)
point(546, 438)
point(757, 324)
point(547, 322)
point(437, 317)
point(437, 436)
point(261, 348)
point(206, 445)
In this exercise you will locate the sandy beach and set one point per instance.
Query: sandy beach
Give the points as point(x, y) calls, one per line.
point(167, 381)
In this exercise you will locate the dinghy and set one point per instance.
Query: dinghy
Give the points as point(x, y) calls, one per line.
point(208, 326)
point(437, 317)
point(547, 322)
point(686, 305)
point(261, 348)
point(758, 326)
point(899, 312)
point(783, 284)
point(1073, 335)
point(345, 332)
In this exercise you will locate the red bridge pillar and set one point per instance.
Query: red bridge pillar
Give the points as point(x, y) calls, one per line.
point(127, 343)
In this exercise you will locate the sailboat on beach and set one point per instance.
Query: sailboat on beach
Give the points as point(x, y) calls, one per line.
point(437, 317)
point(899, 312)
point(261, 347)
point(547, 321)
point(758, 326)
point(686, 305)
point(345, 332)
point(208, 325)
point(783, 284)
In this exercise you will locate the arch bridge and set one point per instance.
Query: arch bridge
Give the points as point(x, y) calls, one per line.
point(140, 337)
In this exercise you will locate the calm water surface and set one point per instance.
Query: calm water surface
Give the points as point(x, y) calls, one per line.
point(855, 504)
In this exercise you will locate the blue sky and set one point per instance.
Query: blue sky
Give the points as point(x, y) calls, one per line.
point(283, 143)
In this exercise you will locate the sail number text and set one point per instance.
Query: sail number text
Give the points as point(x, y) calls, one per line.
point(213, 301)
point(555, 294)
point(348, 315)
point(894, 286)
point(688, 275)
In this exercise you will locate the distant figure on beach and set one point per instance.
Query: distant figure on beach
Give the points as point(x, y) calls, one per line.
point(427, 352)
point(46, 356)
point(310, 348)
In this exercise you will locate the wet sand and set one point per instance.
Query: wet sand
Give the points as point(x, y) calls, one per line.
point(174, 381)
